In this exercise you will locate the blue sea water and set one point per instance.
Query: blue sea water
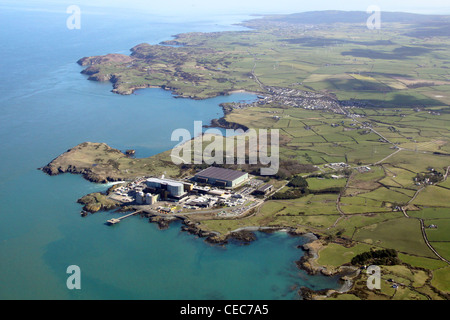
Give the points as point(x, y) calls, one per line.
point(46, 107)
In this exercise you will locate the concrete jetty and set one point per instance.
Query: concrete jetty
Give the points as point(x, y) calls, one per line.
point(117, 220)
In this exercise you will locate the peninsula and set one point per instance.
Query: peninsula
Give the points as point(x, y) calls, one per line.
point(364, 121)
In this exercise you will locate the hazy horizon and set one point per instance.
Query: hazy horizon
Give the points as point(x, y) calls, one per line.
point(196, 8)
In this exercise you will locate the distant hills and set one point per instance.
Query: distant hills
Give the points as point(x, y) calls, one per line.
point(335, 16)
point(423, 25)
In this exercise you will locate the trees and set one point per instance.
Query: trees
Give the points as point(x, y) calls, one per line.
point(298, 182)
point(378, 257)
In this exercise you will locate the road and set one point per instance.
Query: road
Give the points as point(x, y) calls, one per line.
point(424, 234)
point(415, 195)
point(446, 173)
point(338, 204)
point(253, 72)
point(392, 154)
point(422, 224)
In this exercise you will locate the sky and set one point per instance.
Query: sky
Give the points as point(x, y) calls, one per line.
point(205, 7)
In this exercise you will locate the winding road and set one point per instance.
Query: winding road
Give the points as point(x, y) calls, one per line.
point(422, 223)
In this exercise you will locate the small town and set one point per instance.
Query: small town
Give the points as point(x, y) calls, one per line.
point(289, 97)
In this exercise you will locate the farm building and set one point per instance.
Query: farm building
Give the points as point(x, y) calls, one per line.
point(265, 189)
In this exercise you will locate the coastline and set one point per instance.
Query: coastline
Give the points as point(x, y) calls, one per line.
point(92, 69)
point(364, 221)
point(308, 263)
point(243, 236)
point(246, 235)
point(55, 167)
point(243, 91)
point(177, 94)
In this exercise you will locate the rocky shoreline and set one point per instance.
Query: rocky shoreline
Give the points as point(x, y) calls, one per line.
point(308, 263)
point(69, 162)
point(93, 66)
point(100, 163)
point(223, 123)
point(162, 222)
point(245, 236)
point(87, 174)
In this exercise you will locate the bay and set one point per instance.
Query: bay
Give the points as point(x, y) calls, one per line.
point(46, 107)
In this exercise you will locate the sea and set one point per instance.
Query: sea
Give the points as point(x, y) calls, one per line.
point(46, 107)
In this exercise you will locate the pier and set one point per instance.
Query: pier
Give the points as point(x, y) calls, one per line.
point(117, 220)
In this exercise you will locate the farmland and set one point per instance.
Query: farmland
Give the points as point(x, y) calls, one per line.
point(378, 183)
point(346, 60)
point(376, 101)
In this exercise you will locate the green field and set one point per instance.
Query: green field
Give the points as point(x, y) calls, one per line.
point(321, 183)
point(401, 234)
point(441, 233)
point(431, 213)
point(433, 197)
point(428, 263)
point(441, 279)
point(377, 101)
point(443, 248)
point(335, 255)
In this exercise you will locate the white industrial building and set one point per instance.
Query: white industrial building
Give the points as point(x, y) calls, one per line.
point(140, 197)
point(175, 188)
point(151, 198)
point(147, 198)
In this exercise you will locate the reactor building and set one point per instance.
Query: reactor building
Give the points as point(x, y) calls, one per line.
point(174, 189)
point(146, 198)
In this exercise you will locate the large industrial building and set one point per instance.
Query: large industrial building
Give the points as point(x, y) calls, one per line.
point(174, 188)
point(220, 177)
